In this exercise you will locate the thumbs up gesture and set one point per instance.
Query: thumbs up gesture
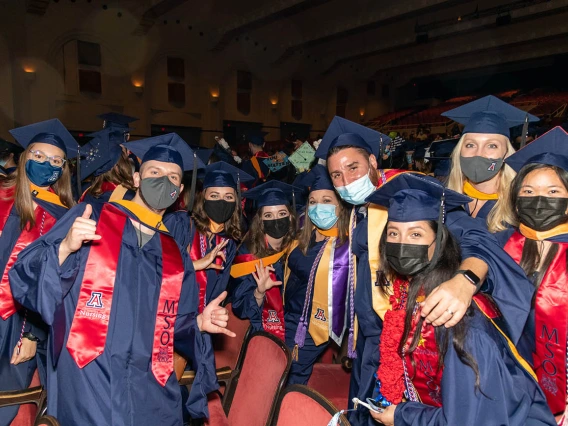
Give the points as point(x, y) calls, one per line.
point(82, 230)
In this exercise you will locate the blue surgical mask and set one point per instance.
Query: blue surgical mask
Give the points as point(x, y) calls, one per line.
point(356, 192)
point(42, 174)
point(322, 215)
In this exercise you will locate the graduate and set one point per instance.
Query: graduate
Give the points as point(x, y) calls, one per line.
point(213, 230)
point(470, 374)
point(119, 295)
point(257, 273)
point(31, 201)
point(105, 160)
point(255, 167)
point(478, 168)
point(351, 151)
point(539, 243)
point(9, 154)
point(321, 279)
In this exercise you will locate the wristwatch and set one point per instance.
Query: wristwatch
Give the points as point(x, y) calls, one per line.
point(30, 336)
point(470, 276)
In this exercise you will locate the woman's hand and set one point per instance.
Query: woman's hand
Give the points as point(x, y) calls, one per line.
point(263, 280)
point(386, 417)
point(208, 261)
point(214, 318)
point(26, 352)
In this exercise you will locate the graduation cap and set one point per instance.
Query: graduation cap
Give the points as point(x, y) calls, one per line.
point(551, 149)
point(224, 175)
point(169, 148)
point(318, 178)
point(257, 138)
point(443, 149)
point(273, 193)
point(410, 197)
point(100, 154)
point(203, 154)
point(420, 150)
point(9, 147)
point(52, 132)
point(116, 121)
point(489, 115)
point(342, 132)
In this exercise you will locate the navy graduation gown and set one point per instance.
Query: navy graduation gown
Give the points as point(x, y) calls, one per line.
point(483, 212)
point(17, 377)
point(507, 394)
point(183, 229)
point(247, 167)
point(295, 293)
point(241, 293)
point(118, 387)
point(512, 295)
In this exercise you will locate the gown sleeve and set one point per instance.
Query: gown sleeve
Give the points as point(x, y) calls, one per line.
point(244, 303)
point(506, 395)
point(37, 280)
point(514, 292)
point(179, 224)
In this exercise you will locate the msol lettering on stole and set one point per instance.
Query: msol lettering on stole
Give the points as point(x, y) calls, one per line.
point(170, 311)
point(547, 365)
point(433, 387)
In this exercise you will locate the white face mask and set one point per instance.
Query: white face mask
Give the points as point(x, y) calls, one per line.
point(357, 191)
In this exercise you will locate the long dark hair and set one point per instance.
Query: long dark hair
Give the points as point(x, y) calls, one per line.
point(424, 282)
point(120, 174)
point(255, 239)
point(530, 258)
point(232, 226)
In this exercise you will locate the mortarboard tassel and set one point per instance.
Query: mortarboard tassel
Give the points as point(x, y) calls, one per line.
point(193, 183)
point(525, 131)
point(78, 171)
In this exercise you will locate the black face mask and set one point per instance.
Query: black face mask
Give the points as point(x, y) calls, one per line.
point(277, 228)
point(159, 193)
point(407, 259)
point(542, 213)
point(219, 211)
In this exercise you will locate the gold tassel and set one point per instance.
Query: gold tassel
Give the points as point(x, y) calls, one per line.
point(295, 353)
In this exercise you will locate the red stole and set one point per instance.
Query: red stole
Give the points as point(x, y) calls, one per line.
point(273, 307)
point(425, 374)
point(551, 314)
point(198, 251)
point(87, 336)
point(43, 223)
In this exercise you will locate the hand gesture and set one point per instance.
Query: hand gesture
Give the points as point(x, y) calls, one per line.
point(208, 261)
point(214, 318)
point(262, 278)
point(386, 417)
point(23, 352)
point(447, 304)
point(83, 230)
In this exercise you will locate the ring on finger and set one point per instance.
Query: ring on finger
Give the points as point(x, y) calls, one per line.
point(449, 311)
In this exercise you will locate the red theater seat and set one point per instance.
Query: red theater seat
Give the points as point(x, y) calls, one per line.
point(332, 381)
point(301, 406)
point(259, 377)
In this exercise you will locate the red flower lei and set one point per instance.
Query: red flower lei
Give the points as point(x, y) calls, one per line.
point(391, 371)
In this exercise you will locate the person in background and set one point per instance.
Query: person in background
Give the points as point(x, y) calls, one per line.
point(9, 155)
point(255, 166)
point(478, 167)
point(31, 201)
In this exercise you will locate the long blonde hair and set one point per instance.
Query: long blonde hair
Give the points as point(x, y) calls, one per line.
point(23, 199)
point(502, 213)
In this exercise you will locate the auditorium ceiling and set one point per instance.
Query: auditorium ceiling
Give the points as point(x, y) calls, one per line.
point(362, 38)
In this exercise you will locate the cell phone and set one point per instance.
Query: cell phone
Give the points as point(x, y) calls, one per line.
point(369, 405)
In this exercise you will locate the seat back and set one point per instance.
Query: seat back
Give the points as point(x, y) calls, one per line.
point(227, 349)
point(261, 375)
point(299, 405)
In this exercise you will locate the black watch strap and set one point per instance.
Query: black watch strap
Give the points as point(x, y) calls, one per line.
point(30, 336)
point(470, 276)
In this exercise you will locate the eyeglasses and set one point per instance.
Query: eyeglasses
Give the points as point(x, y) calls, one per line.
point(41, 157)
